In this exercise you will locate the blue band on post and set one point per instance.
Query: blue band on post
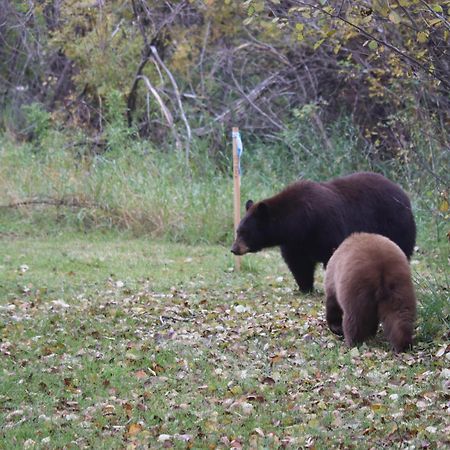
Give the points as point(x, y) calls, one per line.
point(236, 135)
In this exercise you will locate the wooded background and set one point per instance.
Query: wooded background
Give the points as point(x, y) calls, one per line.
point(181, 70)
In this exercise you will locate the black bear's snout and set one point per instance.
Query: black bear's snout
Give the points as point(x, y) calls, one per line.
point(239, 248)
point(234, 249)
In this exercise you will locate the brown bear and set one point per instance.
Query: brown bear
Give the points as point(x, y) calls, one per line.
point(368, 281)
point(308, 220)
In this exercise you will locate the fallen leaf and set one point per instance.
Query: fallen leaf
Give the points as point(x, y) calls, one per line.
point(235, 444)
point(140, 374)
point(134, 428)
point(108, 410)
point(164, 437)
point(442, 350)
point(258, 431)
point(128, 409)
point(247, 408)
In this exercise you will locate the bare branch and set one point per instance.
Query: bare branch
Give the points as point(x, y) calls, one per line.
point(436, 14)
point(237, 106)
point(178, 97)
point(163, 107)
point(276, 124)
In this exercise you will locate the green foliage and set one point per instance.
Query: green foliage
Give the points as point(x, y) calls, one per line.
point(384, 50)
point(433, 306)
point(37, 122)
point(117, 132)
point(97, 40)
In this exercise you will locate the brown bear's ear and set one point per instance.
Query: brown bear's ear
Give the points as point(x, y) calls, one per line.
point(248, 204)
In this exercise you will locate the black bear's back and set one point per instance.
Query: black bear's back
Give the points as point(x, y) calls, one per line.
point(374, 204)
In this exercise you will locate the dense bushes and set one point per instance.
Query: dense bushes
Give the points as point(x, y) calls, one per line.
point(194, 68)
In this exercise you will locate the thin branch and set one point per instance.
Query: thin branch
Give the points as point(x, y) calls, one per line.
point(202, 55)
point(49, 201)
point(167, 114)
point(163, 107)
point(276, 124)
point(436, 14)
point(131, 101)
point(238, 105)
point(178, 97)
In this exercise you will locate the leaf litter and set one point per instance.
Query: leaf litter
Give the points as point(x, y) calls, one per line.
point(218, 362)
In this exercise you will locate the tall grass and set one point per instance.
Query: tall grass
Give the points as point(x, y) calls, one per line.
point(141, 190)
point(133, 186)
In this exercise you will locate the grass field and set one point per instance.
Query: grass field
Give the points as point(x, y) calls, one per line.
point(109, 341)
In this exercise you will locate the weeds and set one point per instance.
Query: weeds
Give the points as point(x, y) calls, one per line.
point(134, 187)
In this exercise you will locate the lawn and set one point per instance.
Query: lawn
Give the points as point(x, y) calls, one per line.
point(110, 341)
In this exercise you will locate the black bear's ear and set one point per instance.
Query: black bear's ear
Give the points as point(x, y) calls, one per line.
point(248, 204)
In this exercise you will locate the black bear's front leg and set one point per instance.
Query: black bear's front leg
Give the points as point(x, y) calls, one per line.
point(302, 268)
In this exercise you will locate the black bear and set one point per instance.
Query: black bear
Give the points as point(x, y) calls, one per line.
point(368, 281)
point(308, 220)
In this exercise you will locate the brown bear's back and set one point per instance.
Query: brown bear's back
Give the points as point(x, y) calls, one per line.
point(372, 264)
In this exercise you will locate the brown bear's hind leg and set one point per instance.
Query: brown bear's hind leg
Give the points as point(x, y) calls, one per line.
point(360, 324)
point(334, 315)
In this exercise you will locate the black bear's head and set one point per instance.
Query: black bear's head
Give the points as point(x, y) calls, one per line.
point(252, 232)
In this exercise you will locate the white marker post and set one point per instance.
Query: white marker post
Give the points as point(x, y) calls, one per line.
point(237, 189)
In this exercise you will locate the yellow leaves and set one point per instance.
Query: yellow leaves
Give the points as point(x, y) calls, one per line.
point(382, 8)
point(435, 22)
point(134, 429)
point(318, 44)
point(236, 390)
point(184, 53)
point(259, 6)
point(377, 407)
point(422, 37)
point(394, 17)
point(299, 27)
point(443, 206)
point(255, 8)
point(443, 203)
